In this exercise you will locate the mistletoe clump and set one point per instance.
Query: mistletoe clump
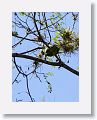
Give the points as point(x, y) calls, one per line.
point(70, 42)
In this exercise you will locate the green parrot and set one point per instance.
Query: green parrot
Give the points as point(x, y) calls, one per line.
point(52, 51)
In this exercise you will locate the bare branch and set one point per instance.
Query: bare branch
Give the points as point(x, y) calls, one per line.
point(60, 64)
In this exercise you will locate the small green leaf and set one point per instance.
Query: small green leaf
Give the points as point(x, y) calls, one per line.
point(57, 33)
point(57, 36)
point(22, 13)
point(50, 74)
point(54, 39)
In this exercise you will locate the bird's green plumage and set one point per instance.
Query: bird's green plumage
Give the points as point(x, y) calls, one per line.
point(52, 51)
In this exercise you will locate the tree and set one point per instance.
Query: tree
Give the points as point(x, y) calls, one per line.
point(43, 39)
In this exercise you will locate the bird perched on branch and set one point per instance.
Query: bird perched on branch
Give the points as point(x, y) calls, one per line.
point(52, 51)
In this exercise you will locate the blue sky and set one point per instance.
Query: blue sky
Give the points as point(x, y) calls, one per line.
point(65, 85)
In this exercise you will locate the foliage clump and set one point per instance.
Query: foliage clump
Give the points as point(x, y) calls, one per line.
point(70, 41)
